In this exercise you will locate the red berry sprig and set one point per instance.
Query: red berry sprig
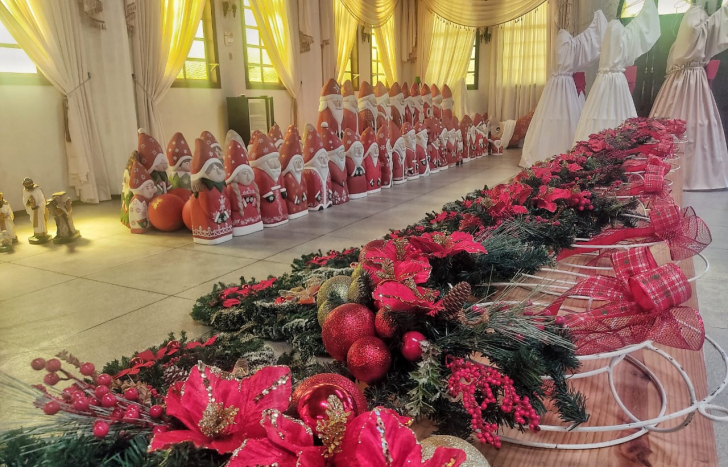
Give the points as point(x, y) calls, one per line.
point(479, 382)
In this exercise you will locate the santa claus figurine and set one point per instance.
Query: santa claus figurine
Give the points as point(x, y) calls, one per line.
point(371, 161)
point(316, 171)
point(233, 135)
point(151, 156)
point(423, 160)
point(356, 180)
point(455, 137)
point(179, 158)
point(410, 141)
point(384, 109)
point(426, 96)
point(397, 105)
point(367, 103)
point(143, 190)
point(417, 112)
point(433, 144)
point(275, 136)
point(337, 164)
point(478, 138)
point(399, 154)
point(447, 101)
point(409, 104)
point(350, 117)
point(385, 155)
point(241, 191)
point(292, 166)
point(436, 102)
point(209, 207)
point(466, 125)
point(264, 158)
point(331, 107)
point(211, 141)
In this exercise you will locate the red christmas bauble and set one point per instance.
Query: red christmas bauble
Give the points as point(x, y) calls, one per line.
point(344, 326)
point(331, 379)
point(165, 212)
point(183, 193)
point(411, 349)
point(369, 359)
point(385, 325)
point(187, 215)
point(313, 402)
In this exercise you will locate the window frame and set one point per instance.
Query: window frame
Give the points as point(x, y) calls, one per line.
point(252, 84)
point(354, 73)
point(623, 3)
point(212, 61)
point(372, 40)
point(22, 79)
point(476, 73)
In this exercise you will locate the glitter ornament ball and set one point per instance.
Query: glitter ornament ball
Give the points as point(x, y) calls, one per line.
point(324, 310)
point(331, 380)
point(385, 325)
point(336, 287)
point(313, 403)
point(474, 458)
point(369, 359)
point(411, 348)
point(344, 326)
point(165, 213)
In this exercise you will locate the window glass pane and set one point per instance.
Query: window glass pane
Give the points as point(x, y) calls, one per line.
point(246, 3)
point(197, 50)
point(5, 37)
point(470, 79)
point(471, 66)
point(15, 61)
point(672, 7)
point(255, 74)
point(250, 19)
point(200, 34)
point(252, 36)
point(265, 57)
point(631, 8)
point(196, 70)
point(270, 75)
point(253, 55)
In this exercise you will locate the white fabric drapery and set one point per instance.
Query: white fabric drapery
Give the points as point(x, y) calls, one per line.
point(329, 58)
point(371, 12)
point(162, 38)
point(479, 13)
point(519, 55)
point(345, 28)
point(408, 30)
point(50, 33)
point(387, 48)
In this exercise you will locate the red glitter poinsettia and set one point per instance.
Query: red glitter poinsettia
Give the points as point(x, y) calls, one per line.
point(547, 197)
point(439, 245)
point(233, 296)
point(220, 411)
point(381, 438)
point(395, 260)
point(508, 200)
point(401, 297)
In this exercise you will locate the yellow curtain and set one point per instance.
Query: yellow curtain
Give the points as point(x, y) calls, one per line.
point(387, 45)
point(479, 13)
point(345, 27)
point(519, 60)
point(371, 12)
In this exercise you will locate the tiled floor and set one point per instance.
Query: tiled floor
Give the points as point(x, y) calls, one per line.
point(112, 293)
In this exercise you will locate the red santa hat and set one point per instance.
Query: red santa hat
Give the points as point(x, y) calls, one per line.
point(331, 142)
point(312, 143)
point(347, 89)
point(380, 90)
point(291, 147)
point(204, 157)
point(178, 151)
point(467, 121)
point(138, 176)
point(394, 90)
point(261, 149)
point(331, 88)
point(236, 160)
point(383, 136)
point(149, 149)
point(275, 135)
point(424, 90)
point(455, 122)
point(415, 89)
point(394, 134)
point(210, 140)
point(351, 139)
point(365, 90)
point(405, 90)
point(435, 90)
point(420, 127)
point(368, 138)
point(446, 92)
point(477, 120)
point(407, 127)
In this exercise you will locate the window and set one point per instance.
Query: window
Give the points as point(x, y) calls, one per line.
point(259, 71)
point(523, 48)
point(201, 67)
point(631, 8)
point(377, 68)
point(351, 72)
point(471, 79)
point(15, 65)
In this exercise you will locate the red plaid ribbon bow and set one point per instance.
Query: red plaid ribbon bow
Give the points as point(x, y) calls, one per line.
point(641, 165)
point(685, 233)
point(643, 303)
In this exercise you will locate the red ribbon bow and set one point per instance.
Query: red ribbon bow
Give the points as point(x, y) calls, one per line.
point(685, 233)
point(643, 304)
point(148, 358)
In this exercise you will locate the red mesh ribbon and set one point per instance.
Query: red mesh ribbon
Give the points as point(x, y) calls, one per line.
point(684, 232)
point(643, 303)
point(640, 165)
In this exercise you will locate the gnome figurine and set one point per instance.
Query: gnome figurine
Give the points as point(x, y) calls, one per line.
point(350, 117)
point(418, 115)
point(385, 155)
point(179, 157)
point(275, 136)
point(151, 156)
point(61, 207)
point(436, 102)
point(410, 142)
point(316, 171)
point(331, 107)
point(426, 96)
point(371, 161)
point(142, 189)
point(409, 104)
point(337, 164)
point(209, 207)
point(356, 180)
point(447, 102)
point(367, 103)
point(210, 139)
point(35, 205)
point(7, 219)
point(384, 108)
point(292, 165)
point(423, 160)
point(397, 105)
point(264, 158)
point(233, 135)
point(399, 155)
point(241, 191)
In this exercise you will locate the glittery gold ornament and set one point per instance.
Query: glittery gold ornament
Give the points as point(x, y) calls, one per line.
point(324, 310)
point(473, 457)
point(360, 290)
point(337, 286)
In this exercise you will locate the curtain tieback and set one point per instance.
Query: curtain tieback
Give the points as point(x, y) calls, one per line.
point(66, 128)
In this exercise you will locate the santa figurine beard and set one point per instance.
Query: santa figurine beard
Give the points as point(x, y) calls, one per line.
point(337, 169)
point(335, 105)
point(320, 165)
point(271, 167)
point(244, 199)
point(411, 163)
point(357, 180)
point(423, 159)
point(397, 102)
point(297, 198)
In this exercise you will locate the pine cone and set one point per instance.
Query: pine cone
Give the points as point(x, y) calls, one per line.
point(173, 373)
point(454, 300)
point(360, 290)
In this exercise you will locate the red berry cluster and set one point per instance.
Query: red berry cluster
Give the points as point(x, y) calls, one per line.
point(581, 200)
point(479, 382)
point(96, 400)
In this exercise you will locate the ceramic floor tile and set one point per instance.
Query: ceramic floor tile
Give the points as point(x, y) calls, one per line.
point(23, 249)
point(325, 243)
point(258, 245)
point(173, 271)
point(153, 237)
point(19, 280)
point(259, 270)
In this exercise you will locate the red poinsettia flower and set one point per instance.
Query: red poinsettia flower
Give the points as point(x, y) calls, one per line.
point(233, 296)
point(439, 245)
point(289, 443)
point(220, 411)
point(547, 197)
point(395, 260)
point(381, 438)
point(399, 297)
point(470, 221)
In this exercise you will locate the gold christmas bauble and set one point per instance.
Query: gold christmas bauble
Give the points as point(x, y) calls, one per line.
point(324, 310)
point(338, 285)
point(359, 291)
point(473, 457)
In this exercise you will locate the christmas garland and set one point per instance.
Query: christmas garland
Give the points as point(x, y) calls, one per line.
point(407, 315)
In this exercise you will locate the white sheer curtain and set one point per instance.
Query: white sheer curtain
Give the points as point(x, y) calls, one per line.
point(519, 58)
point(345, 26)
